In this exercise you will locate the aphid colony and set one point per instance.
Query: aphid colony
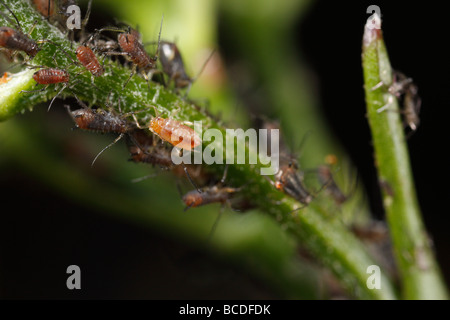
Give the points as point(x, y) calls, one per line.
point(150, 143)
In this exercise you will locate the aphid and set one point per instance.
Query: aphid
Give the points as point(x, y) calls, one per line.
point(145, 149)
point(132, 48)
point(51, 76)
point(102, 121)
point(16, 39)
point(89, 60)
point(404, 87)
point(290, 181)
point(48, 76)
point(411, 107)
point(326, 179)
point(156, 154)
point(215, 194)
point(176, 133)
point(173, 66)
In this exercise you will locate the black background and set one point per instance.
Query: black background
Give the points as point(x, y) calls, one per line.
point(123, 260)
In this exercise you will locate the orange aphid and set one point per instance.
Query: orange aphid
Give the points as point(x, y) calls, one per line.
point(175, 133)
point(5, 78)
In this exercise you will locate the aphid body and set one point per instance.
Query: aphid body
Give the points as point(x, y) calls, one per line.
point(16, 40)
point(289, 181)
point(89, 60)
point(100, 121)
point(175, 133)
point(173, 65)
point(215, 194)
point(130, 44)
point(51, 76)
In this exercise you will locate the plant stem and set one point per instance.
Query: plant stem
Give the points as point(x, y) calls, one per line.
point(328, 239)
point(420, 274)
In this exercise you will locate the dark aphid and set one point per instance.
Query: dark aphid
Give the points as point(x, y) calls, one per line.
point(326, 179)
point(404, 86)
point(215, 194)
point(173, 65)
point(290, 181)
point(132, 48)
point(15, 39)
point(289, 178)
point(89, 60)
point(102, 121)
point(411, 107)
point(156, 153)
point(144, 148)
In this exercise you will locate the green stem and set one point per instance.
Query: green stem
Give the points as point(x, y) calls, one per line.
point(328, 239)
point(420, 274)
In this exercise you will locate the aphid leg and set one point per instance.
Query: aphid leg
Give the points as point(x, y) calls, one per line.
point(386, 106)
point(71, 115)
point(137, 122)
point(86, 18)
point(136, 180)
point(33, 91)
point(297, 209)
point(59, 92)
point(377, 86)
point(190, 179)
point(138, 144)
point(225, 172)
point(107, 147)
point(199, 73)
point(133, 72)
point(81, 103)
point(216, 222)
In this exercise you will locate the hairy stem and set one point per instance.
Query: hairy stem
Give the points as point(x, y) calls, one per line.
point(419, 272)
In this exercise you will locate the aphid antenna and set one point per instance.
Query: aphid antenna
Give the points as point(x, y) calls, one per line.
point(204, 65)
point(159, 39)
point(8, 18)
point(303, 142)
point(48, 9)
point(86, 17)
point(216, 222)
point(107, 147)
point(198, 74)
point(58, 46)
